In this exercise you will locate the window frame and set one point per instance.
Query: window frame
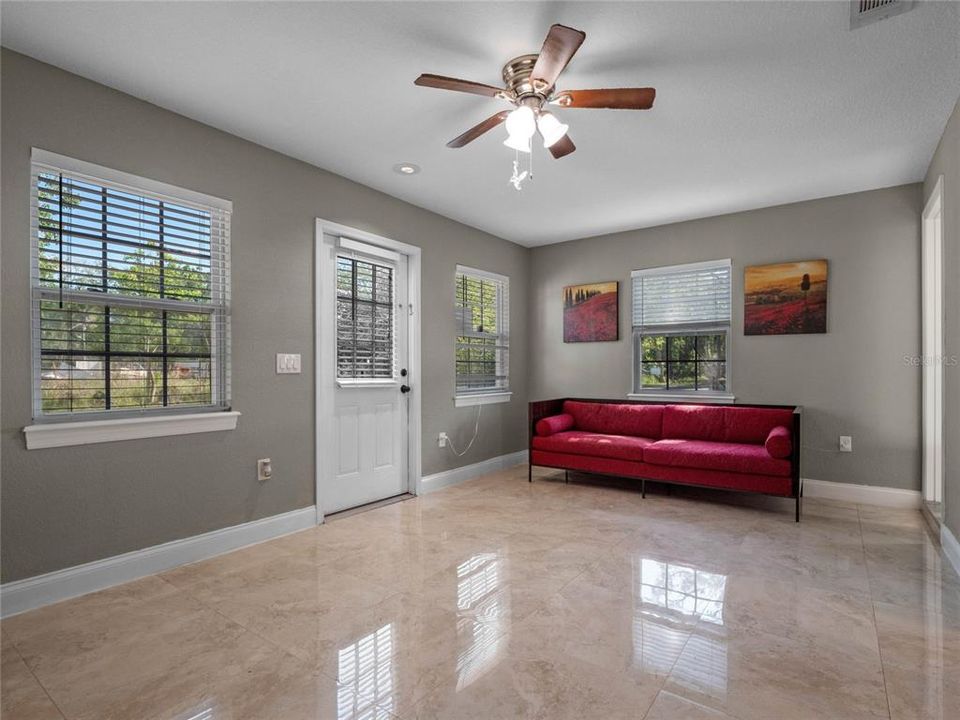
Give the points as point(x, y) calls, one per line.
point(492, 394)
point(170, 419)
point(688, 332)
point(682, 329)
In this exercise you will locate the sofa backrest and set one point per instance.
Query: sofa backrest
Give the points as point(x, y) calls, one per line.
point(723, 424)
point(616, 419)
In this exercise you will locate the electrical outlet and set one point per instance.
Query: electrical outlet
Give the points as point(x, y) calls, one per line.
point(264, 469)
point(442, 440)
point(846, 443)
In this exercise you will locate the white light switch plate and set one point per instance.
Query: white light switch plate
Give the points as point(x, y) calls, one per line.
point(288, 364)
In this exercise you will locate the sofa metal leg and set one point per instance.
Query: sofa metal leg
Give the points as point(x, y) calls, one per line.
point(643, 488)
point(566, 476)
point(529, 472)
point(798, 508)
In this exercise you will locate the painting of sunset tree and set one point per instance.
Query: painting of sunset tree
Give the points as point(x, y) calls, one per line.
point(785, 299)
point(591, 313)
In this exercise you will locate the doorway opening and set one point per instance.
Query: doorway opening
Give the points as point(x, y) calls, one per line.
point(368, 368)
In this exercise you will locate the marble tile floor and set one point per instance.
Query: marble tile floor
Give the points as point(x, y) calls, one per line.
point(498, 599)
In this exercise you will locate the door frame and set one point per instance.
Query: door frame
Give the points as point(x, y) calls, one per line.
point(326, 358)
point(932, 339)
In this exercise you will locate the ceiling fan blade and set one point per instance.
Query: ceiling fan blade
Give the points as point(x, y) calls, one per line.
point(448, 83)
point(562, 147)
point(559, 46)
point(479, 129)
point(614, 98)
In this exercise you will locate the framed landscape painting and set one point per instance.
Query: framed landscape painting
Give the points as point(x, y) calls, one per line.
point(785, 299)
point(591, 313)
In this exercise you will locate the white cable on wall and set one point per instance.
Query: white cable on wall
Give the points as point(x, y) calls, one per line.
point(476, 432)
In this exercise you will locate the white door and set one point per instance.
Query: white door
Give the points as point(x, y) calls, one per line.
point(364, 333)
point(933, 358)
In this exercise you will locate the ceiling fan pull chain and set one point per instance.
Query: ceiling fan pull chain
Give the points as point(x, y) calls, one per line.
point(517, 176)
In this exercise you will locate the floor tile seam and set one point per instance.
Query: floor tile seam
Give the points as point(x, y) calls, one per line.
point(883, 664)
point(36, 679)
point(673, 666)
point(252, 631)
point(726, 713)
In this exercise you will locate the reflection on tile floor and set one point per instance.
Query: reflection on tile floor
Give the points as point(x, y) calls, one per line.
point(499, 599)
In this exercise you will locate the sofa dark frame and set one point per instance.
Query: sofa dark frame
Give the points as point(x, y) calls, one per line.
point(540, 409)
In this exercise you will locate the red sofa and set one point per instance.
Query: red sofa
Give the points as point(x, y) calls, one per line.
point(748, 448)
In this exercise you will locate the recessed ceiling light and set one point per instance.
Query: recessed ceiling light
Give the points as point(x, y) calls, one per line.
point(406, 168)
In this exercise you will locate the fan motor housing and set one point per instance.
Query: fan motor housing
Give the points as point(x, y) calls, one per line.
point(516, 76)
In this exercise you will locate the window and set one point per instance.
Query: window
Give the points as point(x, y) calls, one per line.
point(481, 312)
point(681, 328)
point(130, 293)
point(365, 319)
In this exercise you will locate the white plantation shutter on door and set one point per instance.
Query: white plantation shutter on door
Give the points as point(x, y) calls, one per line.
point(365, 318)
point(681, 297)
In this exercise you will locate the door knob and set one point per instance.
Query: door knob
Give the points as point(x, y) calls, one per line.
point(404, 388)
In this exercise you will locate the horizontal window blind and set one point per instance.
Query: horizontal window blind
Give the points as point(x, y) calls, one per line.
point(365, 319)
point(131, 297)
point(481, 314)
point(683, 296)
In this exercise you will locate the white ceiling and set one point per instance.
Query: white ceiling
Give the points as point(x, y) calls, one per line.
point(757, 103)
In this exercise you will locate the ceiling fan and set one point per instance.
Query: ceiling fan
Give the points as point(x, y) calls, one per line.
point(530, 85)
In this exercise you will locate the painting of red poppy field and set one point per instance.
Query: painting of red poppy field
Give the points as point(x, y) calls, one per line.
point(591, 313)
point(785, 299)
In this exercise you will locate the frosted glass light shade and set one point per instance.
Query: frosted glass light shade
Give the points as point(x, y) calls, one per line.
point(551, 128)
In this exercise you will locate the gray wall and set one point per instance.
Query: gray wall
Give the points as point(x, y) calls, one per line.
point(946, 162)
point(851, 381)
point(65, 506)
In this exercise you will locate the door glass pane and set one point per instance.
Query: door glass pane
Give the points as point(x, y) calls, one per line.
point(365, 319)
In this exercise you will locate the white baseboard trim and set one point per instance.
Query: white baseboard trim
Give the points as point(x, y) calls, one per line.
point(861, 494)
point(430, 483)
point(951, 546)
point(30, 593)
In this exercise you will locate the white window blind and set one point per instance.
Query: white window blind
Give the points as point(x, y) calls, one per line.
point(365, 319)
point(130, 293)
point(682, 296)
point(481, 314)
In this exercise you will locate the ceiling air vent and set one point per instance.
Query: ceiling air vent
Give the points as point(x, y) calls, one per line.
point(864, 12)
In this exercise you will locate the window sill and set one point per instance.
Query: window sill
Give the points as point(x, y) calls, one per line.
point(87, 432)
point(684, 397)
point(361, 383)
point(482, 399)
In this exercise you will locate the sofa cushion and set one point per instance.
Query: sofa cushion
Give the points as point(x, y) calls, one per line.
point(577, 442)
point(753, 425)
point(779, 444)
point(616, 419)
point(554, 424)
point(722, 423)
point(695, 422)
point(729, 457)
point(772, 484)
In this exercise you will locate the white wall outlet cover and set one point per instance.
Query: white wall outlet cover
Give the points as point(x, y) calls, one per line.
point(264, 469)
point(846, 443)
point(442, 440)
point(288, 363)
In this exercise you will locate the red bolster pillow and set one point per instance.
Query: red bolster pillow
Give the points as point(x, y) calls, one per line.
point(779, 444)
point(554, 424)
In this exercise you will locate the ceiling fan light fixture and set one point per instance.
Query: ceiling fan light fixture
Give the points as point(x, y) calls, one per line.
point(551, 128)
point(515, 142)
point(521, 123)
